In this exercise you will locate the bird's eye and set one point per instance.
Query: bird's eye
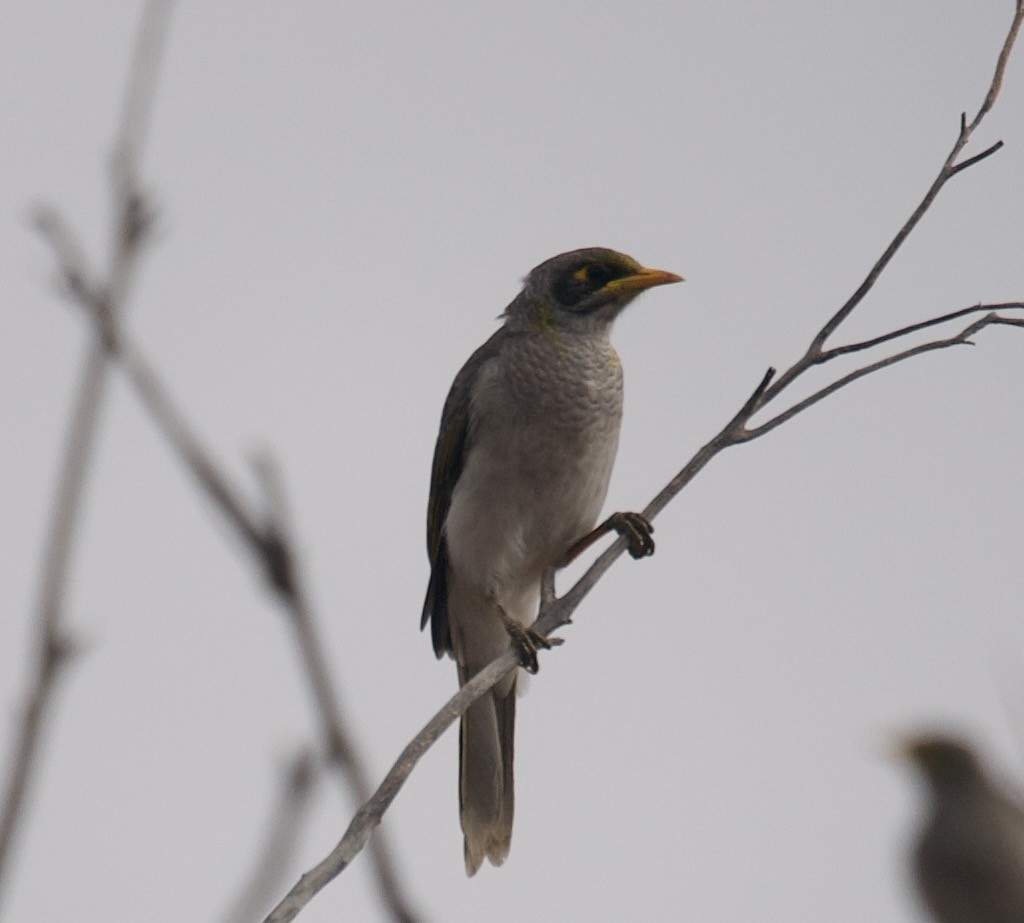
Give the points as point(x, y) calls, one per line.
point(593, 275)
point(579, 285)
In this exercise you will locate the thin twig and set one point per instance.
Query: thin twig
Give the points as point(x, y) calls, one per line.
point(183, 439)
point(1001, 62)
point(977, 158)
point(921, 325)
point(556, 612)
point(959, 339)
point(278, 849)
point(1005, 321)
point(53, 645)
point(342, 752)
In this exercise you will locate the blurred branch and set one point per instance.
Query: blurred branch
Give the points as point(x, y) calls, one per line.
point(369, 815)
point(341, 751)
point(54, 644)
point(265, 532)
point(278, 849)
point(557, 612)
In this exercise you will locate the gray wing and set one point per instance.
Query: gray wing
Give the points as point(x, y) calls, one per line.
point(449, 455)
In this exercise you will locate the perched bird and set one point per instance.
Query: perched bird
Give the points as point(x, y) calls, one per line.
point(968, 860)
point(521, 467)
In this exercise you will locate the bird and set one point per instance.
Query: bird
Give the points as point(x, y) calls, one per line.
point(521, 466)
point(968, 858)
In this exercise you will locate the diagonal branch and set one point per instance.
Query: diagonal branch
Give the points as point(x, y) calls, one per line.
point(277, 851)
point(370, 814)
point(267, 535)
point(977, 158)
point(921, 325)
point(54, 645)
point(556, 612)
point(341, 749)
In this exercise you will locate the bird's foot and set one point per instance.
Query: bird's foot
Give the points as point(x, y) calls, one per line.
point(636, 529)
point(526, 642)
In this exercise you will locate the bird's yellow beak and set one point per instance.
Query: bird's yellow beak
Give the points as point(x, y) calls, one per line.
point(644, 279)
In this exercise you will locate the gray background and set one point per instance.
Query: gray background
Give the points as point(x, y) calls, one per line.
point(349, 195)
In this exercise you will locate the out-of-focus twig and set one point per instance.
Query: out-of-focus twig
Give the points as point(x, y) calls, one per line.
point(276, 853)
point(265, 532)
point(369, 815)
point(54, 645)
point(341, 750)
point(557, 612)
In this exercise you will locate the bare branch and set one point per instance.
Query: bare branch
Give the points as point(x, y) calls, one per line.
point(1004, 321)
point(278, 849)
point(343, 754)
point(53, 644)
point(977, 158)
point(547, 586)
point(268, 537)
point(961, 338)
point(137, 104)
point(184, 441)
point(921, 325)
point(754, 401)
point(370, 814)
point(1001, 62)
point(556, 612)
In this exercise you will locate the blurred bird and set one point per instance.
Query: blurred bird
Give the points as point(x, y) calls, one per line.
point(521, 467)
point(968, 861)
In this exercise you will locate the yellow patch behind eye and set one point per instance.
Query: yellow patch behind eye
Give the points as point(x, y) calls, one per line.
point(581, 274)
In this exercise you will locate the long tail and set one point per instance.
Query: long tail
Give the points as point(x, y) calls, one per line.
point(486, 791)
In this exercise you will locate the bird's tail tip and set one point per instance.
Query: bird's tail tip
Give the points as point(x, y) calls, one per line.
point(491, 844)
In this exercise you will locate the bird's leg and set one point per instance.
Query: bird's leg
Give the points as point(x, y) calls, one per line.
point(525, 640)
point(635, 528)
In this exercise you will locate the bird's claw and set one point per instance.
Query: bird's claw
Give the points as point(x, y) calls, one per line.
point(636, 529)
point(526, 642)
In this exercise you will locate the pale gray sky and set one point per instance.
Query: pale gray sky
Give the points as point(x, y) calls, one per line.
point(349, 194)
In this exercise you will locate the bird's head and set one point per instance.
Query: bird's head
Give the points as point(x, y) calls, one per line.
point(946, 763)
point(583, 289)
